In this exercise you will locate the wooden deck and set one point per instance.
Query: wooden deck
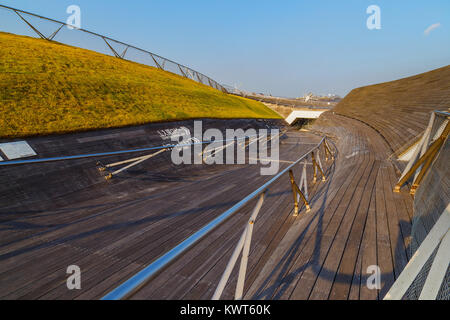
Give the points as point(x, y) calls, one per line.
point(130, 222)
point(399, 110)
point(356, 221)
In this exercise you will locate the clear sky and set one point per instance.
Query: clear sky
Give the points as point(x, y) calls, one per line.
point(285, 48)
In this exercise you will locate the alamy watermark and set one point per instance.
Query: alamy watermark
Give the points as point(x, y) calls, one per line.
point(374, 20)
point(374, 280)
point(74, 280)
point(231, 149)
point(74, 20)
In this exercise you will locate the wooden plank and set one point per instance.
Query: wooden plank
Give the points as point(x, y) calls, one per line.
point(314, 255)
point(343, 279)
point(267, 288)
point(397, 242)
point(368, 252)
point(327, 275)
point(385, 260)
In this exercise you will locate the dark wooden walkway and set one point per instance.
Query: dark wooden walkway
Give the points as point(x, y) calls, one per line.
point(114, 235)
point(356, 221)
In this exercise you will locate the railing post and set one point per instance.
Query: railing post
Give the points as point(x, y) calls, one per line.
point(303, 183)
point(226, 275)
point(423, 170)
point(243, 240)
point(296, 191)
point(316, 168)
point(244, 260)
point(320, 165)
point(327, 150)
point(427, 158)
point(421, 146)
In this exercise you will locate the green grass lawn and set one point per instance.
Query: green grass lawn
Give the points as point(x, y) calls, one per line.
point(47, 88)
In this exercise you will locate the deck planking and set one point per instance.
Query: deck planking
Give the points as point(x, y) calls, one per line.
point(355, 222)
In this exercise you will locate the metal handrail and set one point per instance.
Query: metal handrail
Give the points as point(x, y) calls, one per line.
point(194, 74)
point(131, 285)
point(113, 153)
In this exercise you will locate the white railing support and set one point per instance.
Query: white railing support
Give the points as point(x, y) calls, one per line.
point(320, 165)
point(136, 162)
point(246, 249)
point(425, 152)
point(224, 279)
point(415, 265)
point(110, 165)
point(437, 271)
point(244, 243)
point(420, 147)
point(303, 183)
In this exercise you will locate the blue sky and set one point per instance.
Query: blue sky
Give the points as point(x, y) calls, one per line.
point(285, 48)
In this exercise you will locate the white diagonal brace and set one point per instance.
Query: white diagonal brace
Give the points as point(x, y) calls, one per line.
point(246, 250)
point(438, 270)
point(415, 265)
point(137, 162)
point(303, 182)
point(231, 263)
point(124, 161)
point(421, 145)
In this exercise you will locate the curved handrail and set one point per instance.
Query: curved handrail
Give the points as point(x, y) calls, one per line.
point(131, 285)
point(210, 82)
